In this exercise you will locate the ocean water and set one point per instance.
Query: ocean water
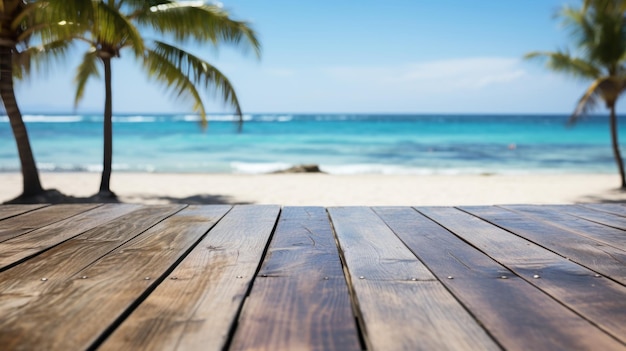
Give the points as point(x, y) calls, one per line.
point(339, 143)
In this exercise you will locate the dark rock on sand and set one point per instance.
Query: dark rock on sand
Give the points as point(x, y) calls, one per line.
point(312, 168)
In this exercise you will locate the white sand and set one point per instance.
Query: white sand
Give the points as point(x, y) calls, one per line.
point(334, 190)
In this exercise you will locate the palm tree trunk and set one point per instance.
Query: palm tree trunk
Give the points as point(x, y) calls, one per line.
point(30, 175)
point(615, 142)
point(105, 189)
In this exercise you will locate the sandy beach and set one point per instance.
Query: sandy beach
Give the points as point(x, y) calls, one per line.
point(334, 190)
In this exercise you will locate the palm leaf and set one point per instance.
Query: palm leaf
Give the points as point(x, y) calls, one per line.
point(619, 5)
point(25, 13)
point(196, 21)
point(598, 30)
point(41, 57)
point(182, 72)
point(54, 19)
point(605, 89)
point(564, 62)
point(588, 102)
point(86, 70)
point(113, 30)
point(166, 72)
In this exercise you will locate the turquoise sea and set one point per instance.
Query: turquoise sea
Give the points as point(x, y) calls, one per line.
point(339, 143)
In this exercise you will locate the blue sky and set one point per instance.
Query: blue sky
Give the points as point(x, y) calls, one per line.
point(395, 56)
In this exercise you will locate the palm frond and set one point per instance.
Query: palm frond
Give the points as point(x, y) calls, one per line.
point(40, 19)
point(56, 19)
point(165, 72)
point(564, 62)
point(183, 72)
point(86, 70)
point(599, 30)
point(40, 57)
point(142, 4)
point(619, 5)
point(113, 29)
point(27, 11)
point(588, 102)
point(196, 21)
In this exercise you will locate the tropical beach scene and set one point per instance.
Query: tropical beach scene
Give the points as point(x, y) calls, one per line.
point(312, 103)
point(312, 175)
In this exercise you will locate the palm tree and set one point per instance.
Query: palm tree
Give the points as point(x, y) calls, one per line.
point(114, 26)
point(21, 21)
point(14, 31)
point(599, 32)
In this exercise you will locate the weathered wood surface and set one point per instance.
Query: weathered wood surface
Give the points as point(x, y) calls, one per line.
point(599, 300)
point(573, 220)
point(258, 277)
point(7, 211)
point(30, 244)
point(590, 214)
point(16, 226)
point(508, 307)
point(573, 238)
point(402, 305)
point(50, 285)
point(618, 209)
point(196, 305)
point(300, 300)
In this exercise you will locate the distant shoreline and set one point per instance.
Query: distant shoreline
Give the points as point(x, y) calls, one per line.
point(316, 189)
point(372, 143)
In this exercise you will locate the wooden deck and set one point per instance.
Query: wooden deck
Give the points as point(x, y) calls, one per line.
point(133, 277)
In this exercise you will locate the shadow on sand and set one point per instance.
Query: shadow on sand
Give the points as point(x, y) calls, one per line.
point(615, 196)
point(200, 199)
point(54, 196)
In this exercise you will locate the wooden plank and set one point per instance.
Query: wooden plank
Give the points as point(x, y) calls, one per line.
point(197, 305)
point(7, 211)
point(618, 209)
point(16, 226)
point(517, 314)
point(566, 241)
point(30, 244)
point(300, 301)
point(22, 283)
point(402, 305)
point(589, 214)
point(600, 300)
point(76, 312)
point(555, 216)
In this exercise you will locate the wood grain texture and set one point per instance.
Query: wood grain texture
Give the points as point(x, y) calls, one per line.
point(617, 209)
point(16, 226)
point(564, 237)
point(7, 211)
point(517, 314)
point(300, 300)
point(30, 244)
point(563, 218)
point(196, 306)
point(396, 312)
point(600, 300)
point(38, 296)
point(592, 215)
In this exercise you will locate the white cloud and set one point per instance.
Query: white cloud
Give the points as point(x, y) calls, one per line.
point(446, 74)
point(499, 78)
